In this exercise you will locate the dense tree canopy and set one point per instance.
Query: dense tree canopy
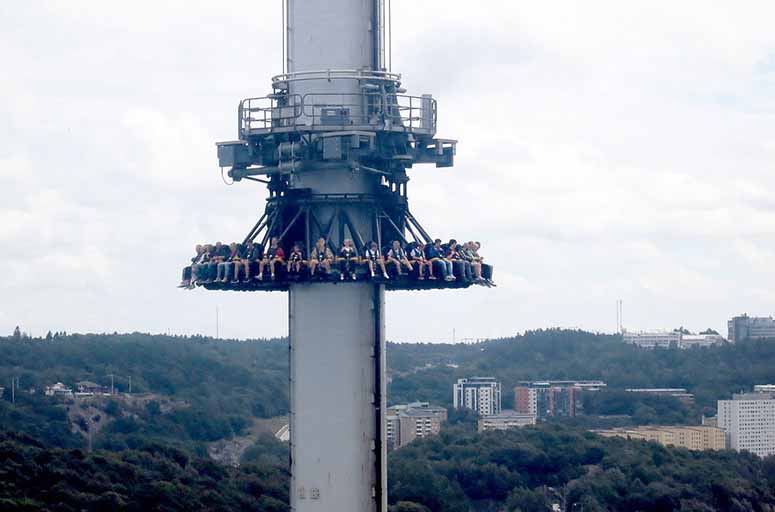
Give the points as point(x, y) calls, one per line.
point(530, 468)
point(151, 477)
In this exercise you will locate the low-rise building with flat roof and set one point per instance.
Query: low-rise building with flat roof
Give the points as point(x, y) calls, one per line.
point(680, 393)
point(693, 437)
point(506, 420)
point(653, 339)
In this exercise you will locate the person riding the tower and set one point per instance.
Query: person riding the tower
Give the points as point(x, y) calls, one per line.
point(274, 256)
point(454, 255)
point(254, 257)
point(225, 265)
point(321, 256)
point(373, 258)
point(417, 257)
point(397, 256)
point(200, 271)
point(218, 254)
point(243, 265)
point(469, 256)
point(348, 259)
point(236, 262)
point(435, 254)
point(486, 268)
point(188, 272)
point(296, 260)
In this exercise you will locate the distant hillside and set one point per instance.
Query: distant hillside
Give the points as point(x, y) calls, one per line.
point(220, 386)
point(711, 373)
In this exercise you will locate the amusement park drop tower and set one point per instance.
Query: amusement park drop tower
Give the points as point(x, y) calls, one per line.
point(332, 142)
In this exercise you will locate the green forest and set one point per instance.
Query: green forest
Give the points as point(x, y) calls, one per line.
point(152, 453)
point(528, 469)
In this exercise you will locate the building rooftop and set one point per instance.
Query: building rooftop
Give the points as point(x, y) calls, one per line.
point(508, 414)
point(754, 396)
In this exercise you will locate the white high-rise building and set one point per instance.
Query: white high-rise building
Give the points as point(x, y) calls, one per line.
point(481, 394)
point(749, 422)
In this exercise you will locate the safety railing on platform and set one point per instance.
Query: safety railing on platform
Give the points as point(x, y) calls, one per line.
point(273, 111)
point(326, 110)
point(281, 81)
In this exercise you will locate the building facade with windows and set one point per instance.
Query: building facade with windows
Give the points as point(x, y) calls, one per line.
point(746, 327)
point(480, 394)
point(405, 423)
point(552, 398)
point(690, 437)
point(506, 420)
point(671, 339)
point(701, 340)
point(680, 393)
point(749, 422)
point(653, 339)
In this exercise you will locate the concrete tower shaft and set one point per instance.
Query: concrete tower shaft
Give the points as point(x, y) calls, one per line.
point(336, 332)
point(332, 34)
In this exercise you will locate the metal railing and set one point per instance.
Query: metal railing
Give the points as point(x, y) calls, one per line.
point(280, 81)
point(273, 111)
point(379, 111)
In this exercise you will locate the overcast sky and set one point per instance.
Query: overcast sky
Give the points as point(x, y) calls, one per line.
point(608, 150)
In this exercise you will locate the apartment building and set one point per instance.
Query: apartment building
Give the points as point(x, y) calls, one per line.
point(698, 437)
point(744, 327)
point(749, 422)
point(405, 423)
point(552, 398)
point(481, 394)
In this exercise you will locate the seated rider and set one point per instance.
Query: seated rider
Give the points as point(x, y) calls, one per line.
point(486, 268)
point(224, 266)
point(436, 253)
point(296, 259)
point(348, 259)
point(188, 272)
point(199, 271)
point(274, 255)
point(397, 256)
point(417, 257)
point(255, 255)
point(373, 258)
point(470, 256)
point(238, 260)
point(321, 256)
point(219, 253)
point(453, 255)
